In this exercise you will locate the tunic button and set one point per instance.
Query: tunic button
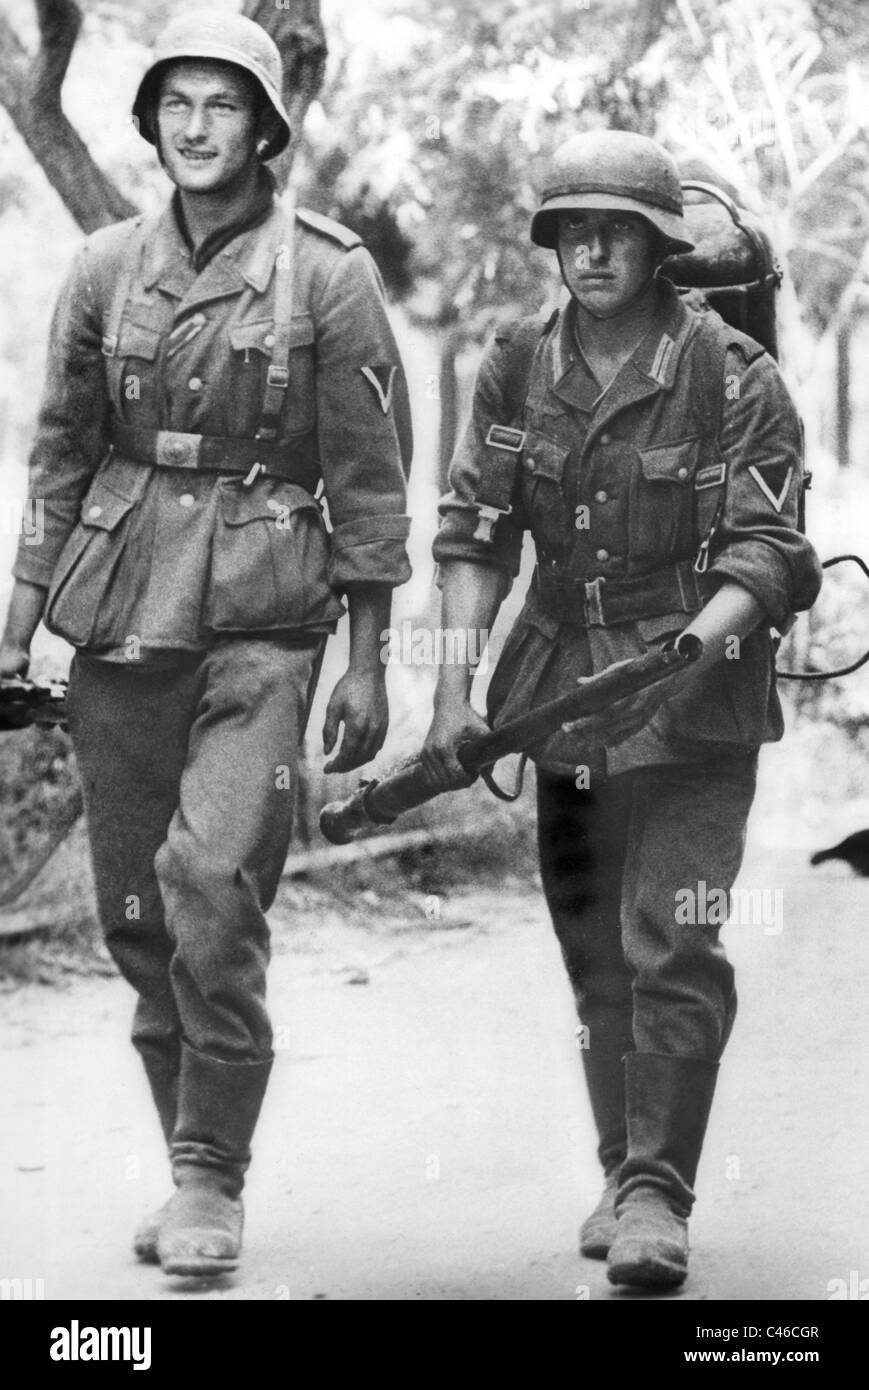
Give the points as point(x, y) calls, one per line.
point(683, 474)
point(94, 512)
point(195, 383)
point(269, 340)
point(530, 464)
point(186, 499)
point(601, 496)
point(605, 438)
point(176, 449)
point(602, 555)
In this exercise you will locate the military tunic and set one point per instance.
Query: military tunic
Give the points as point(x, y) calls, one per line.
point(612, 485)
point(170, 557)
point(633, 457)
point(199, 601)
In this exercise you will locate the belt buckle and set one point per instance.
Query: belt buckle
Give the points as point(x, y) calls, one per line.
point(177, 450)
point(593, 596)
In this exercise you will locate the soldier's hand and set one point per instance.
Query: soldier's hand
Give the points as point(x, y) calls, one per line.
point(359, 703)
point(622, 720)
point(14, 660)
point(453, 723)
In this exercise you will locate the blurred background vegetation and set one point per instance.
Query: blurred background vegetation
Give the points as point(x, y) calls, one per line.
point(425, 130)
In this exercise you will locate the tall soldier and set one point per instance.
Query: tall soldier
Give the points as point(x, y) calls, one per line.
point(208, 366)
point(655, 456)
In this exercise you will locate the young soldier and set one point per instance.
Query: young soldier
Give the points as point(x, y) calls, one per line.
point(654, 454)
point(208, 367)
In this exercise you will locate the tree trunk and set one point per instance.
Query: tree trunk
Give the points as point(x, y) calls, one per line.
point(30, 90)
point(298, 32)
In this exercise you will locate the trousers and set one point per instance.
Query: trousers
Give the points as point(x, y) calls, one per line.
point(615, 862)
point(188, 774)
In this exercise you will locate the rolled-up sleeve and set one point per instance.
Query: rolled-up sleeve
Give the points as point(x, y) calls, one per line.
point(363, 427)
point(758, 544)
point(70, 438)
point(459, 514)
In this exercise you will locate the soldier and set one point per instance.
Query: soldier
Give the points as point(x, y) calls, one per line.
point(208, 367)
point(655, 456)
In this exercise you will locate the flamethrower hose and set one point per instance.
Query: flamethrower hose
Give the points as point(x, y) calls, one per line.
point(839, 670)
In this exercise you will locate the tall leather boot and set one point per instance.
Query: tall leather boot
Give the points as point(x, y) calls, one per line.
point(218, 1108)
point(603, 1062)
point(161, 1068)
point(668, 1105)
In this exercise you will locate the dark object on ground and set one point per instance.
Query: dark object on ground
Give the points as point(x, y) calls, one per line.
point(854, 849)
point(380, 803)
point(24, 702)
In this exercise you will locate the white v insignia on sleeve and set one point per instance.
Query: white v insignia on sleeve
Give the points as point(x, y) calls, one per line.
point(381, 378)
point(777, 501)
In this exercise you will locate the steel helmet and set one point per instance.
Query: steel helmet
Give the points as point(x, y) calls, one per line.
point(227, 38)
point(613, 170)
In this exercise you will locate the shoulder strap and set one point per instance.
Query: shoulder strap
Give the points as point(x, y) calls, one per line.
point(328, 227)
point(523, 345)
point(121, 293)
point(278, 374)
point(496, 478)
point(710, 480)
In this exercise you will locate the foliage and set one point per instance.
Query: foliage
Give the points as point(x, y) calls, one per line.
point(446, 113)
point(449, 121)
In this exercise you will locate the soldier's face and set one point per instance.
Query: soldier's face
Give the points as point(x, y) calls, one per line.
point(607, 258)
point(207, 125)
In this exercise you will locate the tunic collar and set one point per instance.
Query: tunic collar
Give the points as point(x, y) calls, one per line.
point(650, 368)
point(248, 259)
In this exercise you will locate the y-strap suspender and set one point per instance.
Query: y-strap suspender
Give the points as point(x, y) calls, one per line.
point(278, 374)
point(710, 480)
point(493, 496)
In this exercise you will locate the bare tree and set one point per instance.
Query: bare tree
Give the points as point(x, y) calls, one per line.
point(31, 88)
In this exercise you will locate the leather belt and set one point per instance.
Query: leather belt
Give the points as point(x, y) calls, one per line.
point(601, 602)
point(215, 454)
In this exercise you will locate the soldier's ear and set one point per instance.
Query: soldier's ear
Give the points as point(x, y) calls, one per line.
point(267, 129)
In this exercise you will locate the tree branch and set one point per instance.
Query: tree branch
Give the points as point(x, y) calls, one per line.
point(30, 90)
point(298, 32)
point(646, 30)
point(59, 25)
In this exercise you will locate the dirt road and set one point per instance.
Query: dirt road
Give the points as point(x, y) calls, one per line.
point(426, 1137)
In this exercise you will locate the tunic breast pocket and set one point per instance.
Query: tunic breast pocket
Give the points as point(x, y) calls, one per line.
point(543, 490)
point(253, 343)
point(660, 518)
point(132, 364)
point(269, 561)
